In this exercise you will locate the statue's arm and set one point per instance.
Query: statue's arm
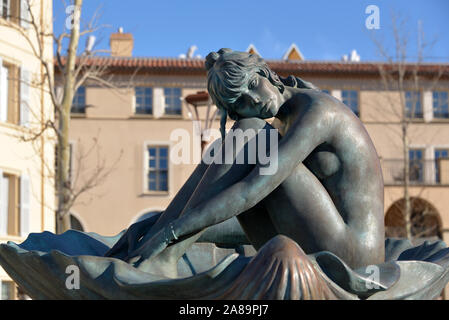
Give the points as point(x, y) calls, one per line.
point(310, 130)
point(129, 239)
point(182, 197)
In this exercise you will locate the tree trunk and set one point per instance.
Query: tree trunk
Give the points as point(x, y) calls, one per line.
point(63, 189)
point(407, 202)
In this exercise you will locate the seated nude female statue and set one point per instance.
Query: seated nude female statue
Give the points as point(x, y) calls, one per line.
point(327, 192)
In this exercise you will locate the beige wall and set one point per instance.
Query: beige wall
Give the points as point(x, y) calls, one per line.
point(122, 140)
point(34, 160)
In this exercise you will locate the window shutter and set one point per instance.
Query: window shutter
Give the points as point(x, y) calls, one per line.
point(3, 204)
point(24, 206)
point(7, 8)
point(24, 14)
point(133, 103)
point(3, 92)
point(24, 97)
point(158, 102)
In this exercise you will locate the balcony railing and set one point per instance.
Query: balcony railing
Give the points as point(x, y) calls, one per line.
point(421, 172)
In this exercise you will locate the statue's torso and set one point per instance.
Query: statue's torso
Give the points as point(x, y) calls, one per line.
point(348, 168)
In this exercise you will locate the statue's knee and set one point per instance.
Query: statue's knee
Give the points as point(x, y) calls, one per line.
point(251, 123)
point(252, 127)
point(250, 134)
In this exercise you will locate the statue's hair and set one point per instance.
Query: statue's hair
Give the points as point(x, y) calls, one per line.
point(229, 71)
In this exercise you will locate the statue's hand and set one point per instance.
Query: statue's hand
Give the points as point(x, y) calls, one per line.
point(129, 240)
point(153, 246)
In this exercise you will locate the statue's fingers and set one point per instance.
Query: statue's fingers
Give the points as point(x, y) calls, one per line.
point(131, 242)
point(134, 239)
point(136, 261)
point(116, 248)
point(140, 228)
point(124, 245)
point(134, 253)
point(137, 264)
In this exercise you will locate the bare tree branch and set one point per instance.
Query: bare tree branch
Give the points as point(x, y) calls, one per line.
point(400, 75)
point(73, 71)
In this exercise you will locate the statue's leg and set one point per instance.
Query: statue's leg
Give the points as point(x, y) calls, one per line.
point(257, 225)
point(218, 176)
point(179, 202)
point(302, 209)
point(123, 246)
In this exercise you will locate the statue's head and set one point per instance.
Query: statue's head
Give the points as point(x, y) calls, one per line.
point(242, 85)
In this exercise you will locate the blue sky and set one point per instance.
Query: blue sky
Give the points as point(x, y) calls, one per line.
point(322, 29)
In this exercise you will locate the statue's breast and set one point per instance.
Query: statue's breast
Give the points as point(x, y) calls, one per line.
point(323, 163)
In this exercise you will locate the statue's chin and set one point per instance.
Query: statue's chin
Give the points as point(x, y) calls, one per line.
point(269, 114)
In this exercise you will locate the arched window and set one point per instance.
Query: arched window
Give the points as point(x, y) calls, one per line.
point(425, 220)
point(75, 223)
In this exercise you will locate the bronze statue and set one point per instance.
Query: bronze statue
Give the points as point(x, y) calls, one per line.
point(316, 221)
point(327, 194)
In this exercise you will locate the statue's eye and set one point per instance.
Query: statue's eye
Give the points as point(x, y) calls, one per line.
point(253, 83)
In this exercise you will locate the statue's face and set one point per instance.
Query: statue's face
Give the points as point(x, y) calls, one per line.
point(260, 98)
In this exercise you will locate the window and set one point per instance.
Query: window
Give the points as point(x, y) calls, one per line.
point(79, 101)
point(440, 104)
point(439, 154)
point(4, 92)
point(4, 204)
point(9, 205)
point(416, 165)
point(144, 100)
point(8, 290)
point(5, 9)
point(425, 221)
point(14, 204)
point(326, 91)
point(157, 176)
point(15, 11)
point(172, 100)
point(351, 99)
point(9, 93)
point(75, 224)
point(413, 105)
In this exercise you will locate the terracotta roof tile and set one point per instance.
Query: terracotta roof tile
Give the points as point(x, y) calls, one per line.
point(178, 65)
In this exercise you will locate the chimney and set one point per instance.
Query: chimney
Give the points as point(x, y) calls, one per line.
point(121, 44)
point(352, 57)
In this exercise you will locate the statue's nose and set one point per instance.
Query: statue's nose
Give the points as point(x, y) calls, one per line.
point(255, 99)
point(252, 99)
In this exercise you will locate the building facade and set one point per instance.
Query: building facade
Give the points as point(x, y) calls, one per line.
point(26, 187)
